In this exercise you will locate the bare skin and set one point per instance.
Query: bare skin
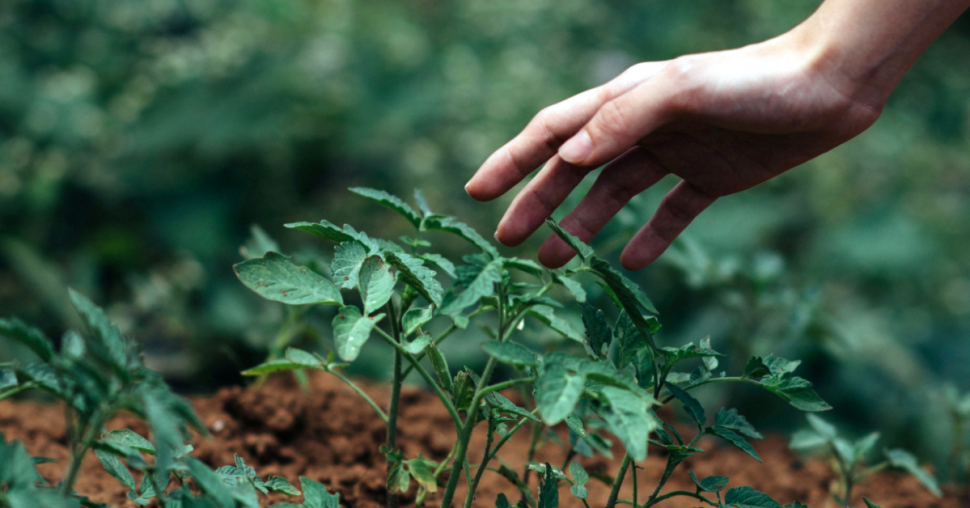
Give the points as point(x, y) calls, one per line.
point(722, 122)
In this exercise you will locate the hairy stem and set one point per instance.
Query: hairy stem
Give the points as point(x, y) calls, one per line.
point(537, 428)
point(481, 468)
point(633, 473)
point(393, 501)
point(77, 457)
point(26, 386)
point(615, 491)
point(419, 502)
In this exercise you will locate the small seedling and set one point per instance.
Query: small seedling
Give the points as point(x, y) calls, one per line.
point(613, 388)
point(849, 458)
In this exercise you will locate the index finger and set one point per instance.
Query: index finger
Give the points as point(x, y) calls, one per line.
point(550, 128)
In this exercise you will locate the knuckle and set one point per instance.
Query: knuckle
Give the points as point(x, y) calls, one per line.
point(678, 211)
point(613, 119)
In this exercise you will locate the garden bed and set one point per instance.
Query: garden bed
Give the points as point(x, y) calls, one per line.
point(330, 436)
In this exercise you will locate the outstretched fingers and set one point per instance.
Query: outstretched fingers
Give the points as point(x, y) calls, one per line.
point(535, 145)
point(622, 122)
point(679, 207)
point(621, 180)
point(540, 197)
point(541, 139)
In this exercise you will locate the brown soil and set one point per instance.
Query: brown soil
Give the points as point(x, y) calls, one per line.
point(331, 436)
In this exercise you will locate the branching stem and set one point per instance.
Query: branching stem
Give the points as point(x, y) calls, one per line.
point(615, 491)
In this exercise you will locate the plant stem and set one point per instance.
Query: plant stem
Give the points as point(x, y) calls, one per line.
point(633, 473)
point(77, 457)
point(680, 493)
point(481, 468)
point(392, 498)
point(509, 435)
point(355, 388)
point(615, 491)
point(508, 384)
point(427, 378)
point(26, 386)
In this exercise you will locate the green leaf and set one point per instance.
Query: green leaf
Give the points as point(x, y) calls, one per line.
point(441, 262)
point(903, 459)
point(411, 271)
point(711, 483)
point(501, 404)
point(275, 277)
point(281, 485)
point(735, 439)
point(630, 295)
point(423, 473)
point(271, 366)
point(351, 331)
point(746, 497)
point(258, 244)
point(451, 225)
point(580, 476)
point(598, 333)
point(462, 390)
point(376, 284)
point(347, 260)
point(691, 405)
point(628, 339)
point(584, 251)
point(548, 490)
point(210, 483)
point(545, 315)
point(129, 438)
point(417, 345)
point(575, 424)
point(806, 439)
point(824, 428)
point(756, 368)
point(315, 495)
point(34, 498)
point(501, 501)
point(869, 504)
point(34, 339)
point(102, 330)
point(303, 358)
point(862, 447)
point(483, 285)
point(416, 318)
point(332, 232)
point(731, 420)
point(574, 287)
point(115, 468)
point(513, 477)
point(557, 392)
point(511, 353)
point(673, 355)
point(524, 265)
point(390, 201)
point(440, 364)
point(398, 478)
point(422, 203)
point(629, 419)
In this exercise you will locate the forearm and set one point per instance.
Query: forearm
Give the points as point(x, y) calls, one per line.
point(866, 46)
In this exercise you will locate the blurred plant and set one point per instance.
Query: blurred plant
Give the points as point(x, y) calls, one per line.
point(598, 392)
point(96, 376)
point(958, 407)
point(849, 458)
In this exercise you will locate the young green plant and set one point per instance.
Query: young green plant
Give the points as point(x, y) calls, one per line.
point(615, 386)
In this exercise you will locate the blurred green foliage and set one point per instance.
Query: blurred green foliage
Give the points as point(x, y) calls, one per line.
point(140, 140)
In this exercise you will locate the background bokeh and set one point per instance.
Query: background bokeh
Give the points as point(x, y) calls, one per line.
point(140, 140)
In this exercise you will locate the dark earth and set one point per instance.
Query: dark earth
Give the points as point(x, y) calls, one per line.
point(328, 434)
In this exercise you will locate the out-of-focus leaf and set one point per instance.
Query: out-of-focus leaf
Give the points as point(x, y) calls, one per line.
point(34, 339)
point(907, 461)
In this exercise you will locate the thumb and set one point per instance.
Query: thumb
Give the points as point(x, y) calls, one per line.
point(621, 123)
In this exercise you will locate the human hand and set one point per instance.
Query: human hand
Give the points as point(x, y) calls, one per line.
point(723, 122)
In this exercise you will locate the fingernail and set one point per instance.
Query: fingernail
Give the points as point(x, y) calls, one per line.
point(495, 235)
point(466, 186)
point(577, 149)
